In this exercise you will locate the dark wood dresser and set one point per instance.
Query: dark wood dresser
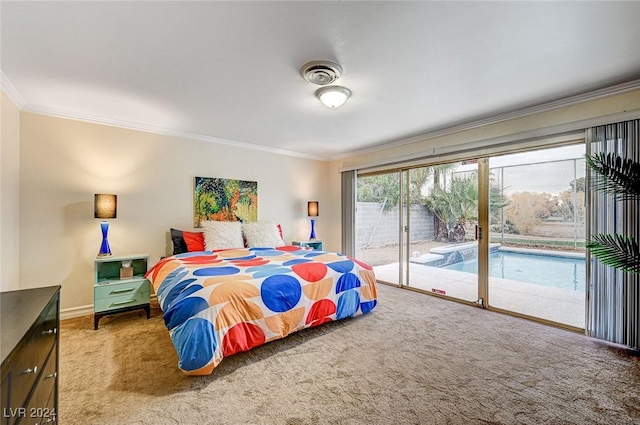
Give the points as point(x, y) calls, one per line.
point(29, 321)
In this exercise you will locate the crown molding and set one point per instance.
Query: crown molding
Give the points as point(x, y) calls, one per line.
point(164, 131)
point(22, 105)
point(554, 135)
point(11, 91)
point(519, 113)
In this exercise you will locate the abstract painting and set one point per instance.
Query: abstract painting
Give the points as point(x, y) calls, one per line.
point(225, 200)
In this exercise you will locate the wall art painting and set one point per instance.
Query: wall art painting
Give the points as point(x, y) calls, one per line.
point(225, 200)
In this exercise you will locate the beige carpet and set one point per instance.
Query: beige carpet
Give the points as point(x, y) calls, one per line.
point(414, 360)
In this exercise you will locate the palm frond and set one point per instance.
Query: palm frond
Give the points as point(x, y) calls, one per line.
point(618, 251)
point(615, 175)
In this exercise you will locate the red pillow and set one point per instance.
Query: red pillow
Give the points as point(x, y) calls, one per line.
point(194, 240)
point(186, 241)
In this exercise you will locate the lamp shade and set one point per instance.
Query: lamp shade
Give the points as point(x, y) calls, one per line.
point(105, 206)
point(313, 209)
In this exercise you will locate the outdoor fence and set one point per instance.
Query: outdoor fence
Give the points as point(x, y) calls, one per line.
point(546, 203)
point(377, 227)
point(545, 207)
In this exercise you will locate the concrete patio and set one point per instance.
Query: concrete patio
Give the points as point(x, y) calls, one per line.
point(555, 304)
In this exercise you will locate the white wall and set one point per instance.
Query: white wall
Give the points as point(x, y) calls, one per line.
point(63, 163)
point(10, 195)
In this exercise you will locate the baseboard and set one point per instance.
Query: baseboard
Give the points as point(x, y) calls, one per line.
point(70, 313)
point(85, 310)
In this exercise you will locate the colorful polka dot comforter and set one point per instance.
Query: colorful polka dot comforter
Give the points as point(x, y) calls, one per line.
point(217, 304)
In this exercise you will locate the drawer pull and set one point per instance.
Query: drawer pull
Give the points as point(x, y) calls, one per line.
point(122, 291)
point(51, 375)
point(123, 302)
point(50, 331)
point(30, 370)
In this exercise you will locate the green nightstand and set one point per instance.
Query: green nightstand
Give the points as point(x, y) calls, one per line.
point(316, 245)
point(114, 294)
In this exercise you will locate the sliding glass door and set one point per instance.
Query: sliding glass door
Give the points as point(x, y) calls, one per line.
point(505, 232)
point(414, 225)
point(537, 256)
point(378, 225)
point(442, 215)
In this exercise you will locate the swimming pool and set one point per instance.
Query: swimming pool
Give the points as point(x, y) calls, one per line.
point(560, 272)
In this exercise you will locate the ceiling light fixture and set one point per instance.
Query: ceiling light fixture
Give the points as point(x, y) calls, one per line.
point(333, 96)
point(323, 73)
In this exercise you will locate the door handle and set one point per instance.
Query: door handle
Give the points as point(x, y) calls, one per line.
point(478, 232)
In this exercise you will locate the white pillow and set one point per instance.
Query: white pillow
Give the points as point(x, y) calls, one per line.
point(262, 234)
point(222, 235)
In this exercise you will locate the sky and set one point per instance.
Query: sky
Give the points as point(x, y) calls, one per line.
point(547, 170)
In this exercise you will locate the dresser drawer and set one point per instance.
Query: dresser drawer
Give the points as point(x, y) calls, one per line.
point(41, 408)
point(31, 357)
point(46, 329)
point(29, 322)
point(114, 290)
point(114, 303)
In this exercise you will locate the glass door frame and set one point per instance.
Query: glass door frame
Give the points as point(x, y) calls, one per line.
point(404, 236)
point(484, 283)
point(404, 232)
point(482, 232)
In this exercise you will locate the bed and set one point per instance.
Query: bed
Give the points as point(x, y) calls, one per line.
point(220, 303)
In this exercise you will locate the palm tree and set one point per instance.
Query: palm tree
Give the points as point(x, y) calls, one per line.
point(621, 178)
point(385, 188)
point(457, 204)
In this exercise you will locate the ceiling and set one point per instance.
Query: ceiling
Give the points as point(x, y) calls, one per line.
point(229, 71)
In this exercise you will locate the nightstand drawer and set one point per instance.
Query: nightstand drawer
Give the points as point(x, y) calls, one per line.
point(123, 301)
point(119, 289)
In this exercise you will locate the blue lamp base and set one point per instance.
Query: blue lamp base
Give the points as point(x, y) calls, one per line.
point(312, 236)
point(105, 251)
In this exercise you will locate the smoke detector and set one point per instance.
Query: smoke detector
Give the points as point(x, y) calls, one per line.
point(321, 72)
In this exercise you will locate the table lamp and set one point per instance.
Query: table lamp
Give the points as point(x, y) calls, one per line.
point(105, 206)
point(312, 211)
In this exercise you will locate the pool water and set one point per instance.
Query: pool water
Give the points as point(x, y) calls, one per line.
point(560, 272)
